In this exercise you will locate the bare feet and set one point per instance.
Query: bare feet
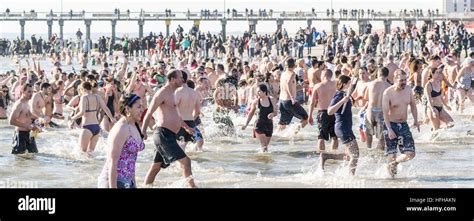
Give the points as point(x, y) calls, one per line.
point(322, 160)
point(304, 123)
point(298, 128)
point(392, 168)
point(190, 181)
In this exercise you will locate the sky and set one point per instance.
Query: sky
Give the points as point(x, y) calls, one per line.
point(40, 28)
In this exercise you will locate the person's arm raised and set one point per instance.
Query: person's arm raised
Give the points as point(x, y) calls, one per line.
point(131, 84)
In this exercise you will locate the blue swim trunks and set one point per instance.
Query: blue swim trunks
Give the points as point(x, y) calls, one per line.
point(404, 140)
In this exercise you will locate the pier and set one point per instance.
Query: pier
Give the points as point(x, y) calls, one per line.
point(335, 18)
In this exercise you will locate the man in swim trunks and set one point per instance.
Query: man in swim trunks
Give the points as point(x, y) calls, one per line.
point(395, 102)
point(289, 107)
point(168, 124)
point(323, 92)
point(189, 107)
point(374, 116)
point(21, 118)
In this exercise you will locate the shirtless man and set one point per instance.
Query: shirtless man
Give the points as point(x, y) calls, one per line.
point(21, 118)
point(168, 124)
point(395, 102)
point(323, 92)
point(301, 81)
point(189, 108)
point(346, 68)
point(289, 107)
point(39, 104)
point(58, 99)
point(204, 90)
point(211, 75)
point(392, 67)
point(360, 100)
point(220, 71)
point(314, 74)
point(452, 73)
point(374, 117)
point(242, 93)
point(415, 68)
point(17, 87)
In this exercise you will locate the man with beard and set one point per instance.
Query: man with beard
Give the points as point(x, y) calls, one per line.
point(395, 102)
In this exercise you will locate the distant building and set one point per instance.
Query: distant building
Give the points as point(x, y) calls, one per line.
point(461, 6)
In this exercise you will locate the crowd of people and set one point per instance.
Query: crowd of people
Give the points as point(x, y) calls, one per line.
point(378, 77)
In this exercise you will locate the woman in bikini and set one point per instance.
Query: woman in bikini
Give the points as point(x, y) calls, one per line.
point(433, 92)
point(89, 106)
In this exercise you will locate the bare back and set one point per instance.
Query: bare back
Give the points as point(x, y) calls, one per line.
point(287, 84)
point(314, 76)
point(325, 92)
point(375, 92)
point(392, 67)
point(186, 99)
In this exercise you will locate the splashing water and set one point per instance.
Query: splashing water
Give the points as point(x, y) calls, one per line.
point(444, 160)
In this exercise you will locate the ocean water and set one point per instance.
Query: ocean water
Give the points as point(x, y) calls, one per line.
point(442, 161)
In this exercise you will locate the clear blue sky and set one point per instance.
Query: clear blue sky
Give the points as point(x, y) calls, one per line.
point(196, 5)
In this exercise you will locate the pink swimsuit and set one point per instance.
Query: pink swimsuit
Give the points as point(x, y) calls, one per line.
point(128, 157)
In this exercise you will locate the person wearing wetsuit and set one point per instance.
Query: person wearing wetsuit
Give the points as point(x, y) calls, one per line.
point(266, 111)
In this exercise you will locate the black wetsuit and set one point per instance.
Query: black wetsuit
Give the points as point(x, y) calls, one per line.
point(264, 125)
point(110, 104)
